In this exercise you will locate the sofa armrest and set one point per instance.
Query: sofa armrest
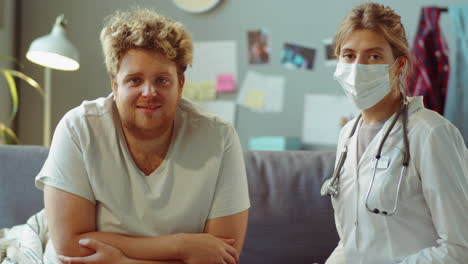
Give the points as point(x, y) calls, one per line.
point(19, 198)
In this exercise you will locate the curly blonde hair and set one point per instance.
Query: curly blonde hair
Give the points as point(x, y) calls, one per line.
point(143, 28)
point(378, 18)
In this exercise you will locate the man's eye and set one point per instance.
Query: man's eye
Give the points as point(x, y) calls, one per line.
point(162, 81)
point(135, 81)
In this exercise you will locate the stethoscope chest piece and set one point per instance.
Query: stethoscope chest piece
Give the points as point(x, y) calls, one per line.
point(329, 189)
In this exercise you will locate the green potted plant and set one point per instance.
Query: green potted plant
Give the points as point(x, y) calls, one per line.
point(7, 136)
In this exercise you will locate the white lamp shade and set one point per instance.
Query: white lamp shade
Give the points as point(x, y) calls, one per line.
point(54, 50)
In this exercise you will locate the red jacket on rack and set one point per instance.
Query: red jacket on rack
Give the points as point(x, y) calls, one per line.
point(430, 61)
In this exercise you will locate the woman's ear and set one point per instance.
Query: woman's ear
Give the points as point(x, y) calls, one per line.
point(402, 64)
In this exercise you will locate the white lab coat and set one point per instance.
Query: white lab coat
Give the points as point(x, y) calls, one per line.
point(431, 221)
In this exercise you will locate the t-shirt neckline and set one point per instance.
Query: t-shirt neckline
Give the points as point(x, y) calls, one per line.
point(123, 144)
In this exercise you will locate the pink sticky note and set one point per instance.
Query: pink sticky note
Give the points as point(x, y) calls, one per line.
point(225, 83)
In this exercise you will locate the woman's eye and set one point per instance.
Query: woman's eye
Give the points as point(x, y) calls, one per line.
point(375, 57)
point(348, 56)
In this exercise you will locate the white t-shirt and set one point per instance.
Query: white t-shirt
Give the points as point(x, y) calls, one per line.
point(202, 177)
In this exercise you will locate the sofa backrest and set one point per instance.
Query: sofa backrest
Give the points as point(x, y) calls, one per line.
point(289, 222)
point(19, 198)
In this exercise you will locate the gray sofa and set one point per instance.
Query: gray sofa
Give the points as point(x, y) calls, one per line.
point(289, 221)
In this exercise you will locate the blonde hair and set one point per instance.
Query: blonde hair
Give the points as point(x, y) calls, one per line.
point(378, 18)
point(143, 28)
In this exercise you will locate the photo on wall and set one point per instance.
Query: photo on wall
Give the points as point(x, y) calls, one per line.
point(258, 47)
point(297, 57)
point(330, 58)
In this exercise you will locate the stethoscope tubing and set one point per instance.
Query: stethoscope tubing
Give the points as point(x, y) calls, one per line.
point(331, 186)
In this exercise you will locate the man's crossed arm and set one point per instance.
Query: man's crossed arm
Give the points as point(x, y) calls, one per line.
point(72, 218)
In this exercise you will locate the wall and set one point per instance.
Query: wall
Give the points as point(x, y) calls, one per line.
point(7, 42)
point(304, 22)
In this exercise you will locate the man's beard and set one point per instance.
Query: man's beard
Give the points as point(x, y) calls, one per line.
point(144, 132)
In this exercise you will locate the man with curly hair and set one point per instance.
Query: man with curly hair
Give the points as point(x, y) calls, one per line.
point(144, 175)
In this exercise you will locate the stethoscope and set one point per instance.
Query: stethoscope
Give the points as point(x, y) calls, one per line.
point(331, 186)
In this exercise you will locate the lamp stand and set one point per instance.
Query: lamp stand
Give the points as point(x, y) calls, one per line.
point(47, 104)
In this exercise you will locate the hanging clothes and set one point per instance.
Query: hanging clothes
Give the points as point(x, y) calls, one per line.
point(456, 107)
point(430, 61)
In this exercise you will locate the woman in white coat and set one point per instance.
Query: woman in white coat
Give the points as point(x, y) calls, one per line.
point(411, 205)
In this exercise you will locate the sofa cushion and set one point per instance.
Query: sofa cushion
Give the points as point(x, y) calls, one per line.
point(289, 222)
point(19, 198)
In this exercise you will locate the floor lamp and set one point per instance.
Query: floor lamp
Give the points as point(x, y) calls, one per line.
point(53, 51)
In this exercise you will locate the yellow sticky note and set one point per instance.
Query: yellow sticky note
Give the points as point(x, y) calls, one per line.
point(255, 99)
point(191, 90)
point(207, 91)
